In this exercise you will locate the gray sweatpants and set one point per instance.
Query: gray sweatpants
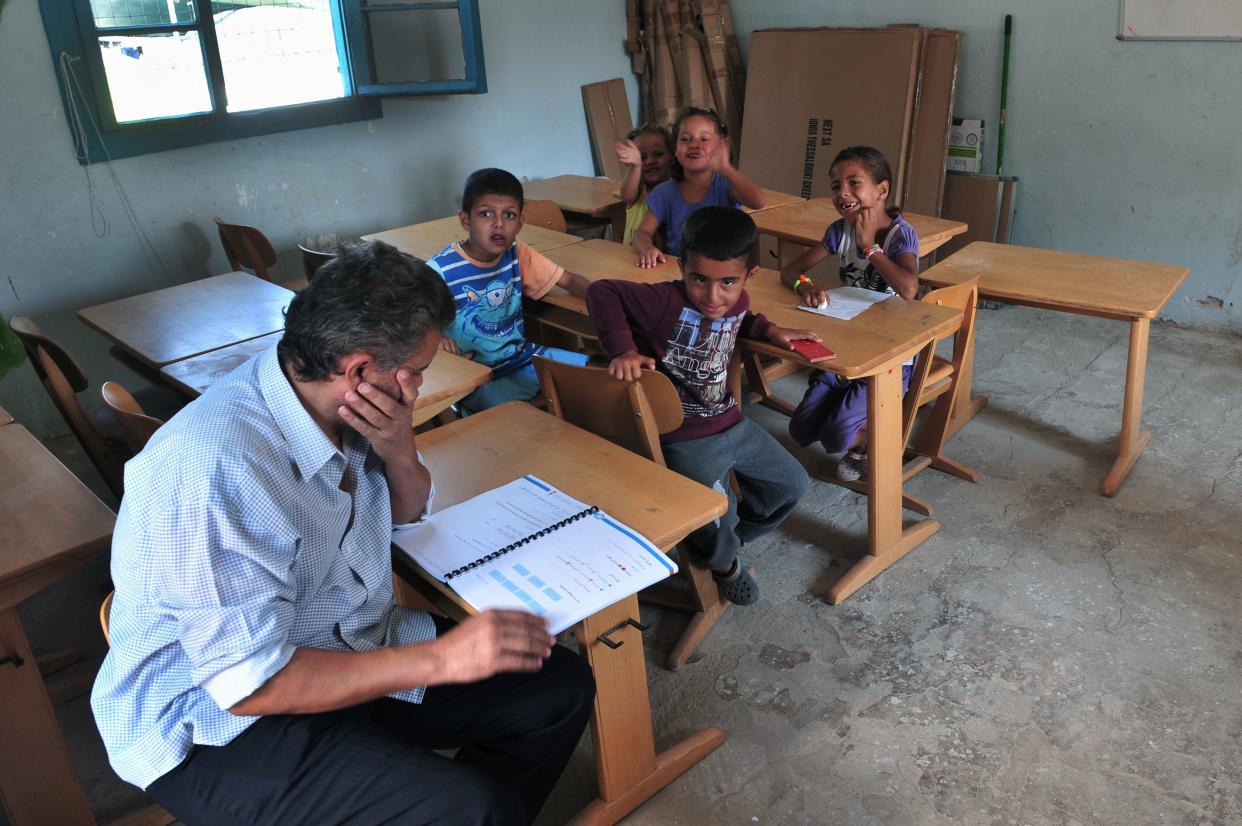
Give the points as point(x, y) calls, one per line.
point(771, 481)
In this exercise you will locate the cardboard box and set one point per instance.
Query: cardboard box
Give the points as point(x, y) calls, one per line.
point(933, 118)
point(608, 120)
point(965, 146)
point(985, 203)
point(803, 104)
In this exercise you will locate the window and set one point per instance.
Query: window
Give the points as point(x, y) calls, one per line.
point(148, 75)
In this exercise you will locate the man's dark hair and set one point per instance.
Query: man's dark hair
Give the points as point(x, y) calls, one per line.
point(491, 181)
point(721, 234)
point(370, 298)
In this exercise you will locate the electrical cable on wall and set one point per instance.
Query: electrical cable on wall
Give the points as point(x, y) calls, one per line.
point(100, 224)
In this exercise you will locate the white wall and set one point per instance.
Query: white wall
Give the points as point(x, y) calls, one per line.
point(1123, 148)
point(346, 180)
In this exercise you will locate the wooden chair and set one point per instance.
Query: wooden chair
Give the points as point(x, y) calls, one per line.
point(933, 379)
point(633, 415)
point(545, 214)
point(64, 379)
point(312, 260)
point(941, 385)
point(246, 248)
point(105, 613)
point(137, 427)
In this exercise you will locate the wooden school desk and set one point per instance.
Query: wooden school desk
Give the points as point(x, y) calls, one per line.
point(871, 346)
point(775, 200)
point(594, 200)
point(446, 381)
point(475, 454)
point(804, 224)
point(52, 525)
point(1130, 291)
point(426, 239)
point(178, 322)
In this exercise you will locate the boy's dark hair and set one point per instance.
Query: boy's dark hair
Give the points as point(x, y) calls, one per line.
point(491, 181)
point(874, 162)
point(371, 298)
point(721, 234)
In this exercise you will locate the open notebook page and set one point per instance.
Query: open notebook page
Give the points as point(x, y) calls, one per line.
point(565, 575)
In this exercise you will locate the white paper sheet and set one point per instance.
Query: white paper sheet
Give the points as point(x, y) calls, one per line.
point(846, 302)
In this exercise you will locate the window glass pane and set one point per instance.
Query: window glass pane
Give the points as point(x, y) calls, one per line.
point(410, 46)
point(155, 75)
point(111, 13)
point(279, 53)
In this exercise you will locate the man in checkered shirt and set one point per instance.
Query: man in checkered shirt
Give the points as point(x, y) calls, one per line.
point(260, 671)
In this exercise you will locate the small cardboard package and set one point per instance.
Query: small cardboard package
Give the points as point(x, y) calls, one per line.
point(965, 146)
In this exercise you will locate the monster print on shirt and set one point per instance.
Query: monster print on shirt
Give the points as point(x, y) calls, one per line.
point(489, 323)
point(698, 360)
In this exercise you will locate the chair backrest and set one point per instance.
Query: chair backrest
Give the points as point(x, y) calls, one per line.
point(136, 426)
point(964, 297)
point(246, 247)
point(630, 414)
point(105, 616)
point(64, 379)
point(312, 260)
point(545, 214)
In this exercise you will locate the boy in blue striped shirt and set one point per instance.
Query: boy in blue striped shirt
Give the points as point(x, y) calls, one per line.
point(488, 274)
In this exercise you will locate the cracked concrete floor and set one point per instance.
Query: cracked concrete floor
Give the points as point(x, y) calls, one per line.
point(1049, 657)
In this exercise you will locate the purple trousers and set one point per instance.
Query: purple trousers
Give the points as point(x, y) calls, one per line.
point(833, 410)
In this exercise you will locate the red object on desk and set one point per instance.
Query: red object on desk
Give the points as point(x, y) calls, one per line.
point(812, 351)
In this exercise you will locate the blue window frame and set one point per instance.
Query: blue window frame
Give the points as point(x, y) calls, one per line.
point(383, 49)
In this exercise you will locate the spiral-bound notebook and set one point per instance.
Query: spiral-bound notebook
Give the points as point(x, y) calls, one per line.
point(530, 546)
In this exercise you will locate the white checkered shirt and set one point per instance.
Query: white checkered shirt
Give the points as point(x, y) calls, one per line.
point(235, 544)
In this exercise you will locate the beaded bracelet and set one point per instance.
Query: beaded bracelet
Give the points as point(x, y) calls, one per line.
point(800, 282)
point(872, 250)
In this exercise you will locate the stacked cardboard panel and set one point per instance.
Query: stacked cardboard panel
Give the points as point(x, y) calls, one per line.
point(685, 53)
point(608, 120)
point(805, 102)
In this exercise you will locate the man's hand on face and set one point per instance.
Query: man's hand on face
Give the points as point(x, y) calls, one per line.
point(385, 420)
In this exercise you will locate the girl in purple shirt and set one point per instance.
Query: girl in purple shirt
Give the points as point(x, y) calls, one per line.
point(704, 176)
point(877, 250)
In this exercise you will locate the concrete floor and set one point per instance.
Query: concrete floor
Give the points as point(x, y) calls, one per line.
point(1049, 657)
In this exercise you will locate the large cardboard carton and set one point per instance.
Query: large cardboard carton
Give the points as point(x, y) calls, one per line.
point(608, 120)
point(984, 202)
point(803, 104)
point(933, 116)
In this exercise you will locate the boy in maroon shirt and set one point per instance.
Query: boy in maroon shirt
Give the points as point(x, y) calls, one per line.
point(687, 330)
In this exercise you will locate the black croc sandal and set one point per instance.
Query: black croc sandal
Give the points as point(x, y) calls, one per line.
point(737, 586)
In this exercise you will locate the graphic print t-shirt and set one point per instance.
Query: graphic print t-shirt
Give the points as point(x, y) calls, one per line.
point(839, 240)
point(658, 320)
point(697, 360)
point(489, 302)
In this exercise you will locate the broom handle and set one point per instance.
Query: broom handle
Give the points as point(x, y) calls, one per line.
point(1000, 134)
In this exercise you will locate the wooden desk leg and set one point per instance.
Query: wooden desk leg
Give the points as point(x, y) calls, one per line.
point(787, 251)
point(626, 762)
point(1133, 437)
point(888, 541)
point(38, 783)
point(617, 224)
point(757, 382)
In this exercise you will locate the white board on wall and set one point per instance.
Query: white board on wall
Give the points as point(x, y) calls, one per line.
point(1180, 20)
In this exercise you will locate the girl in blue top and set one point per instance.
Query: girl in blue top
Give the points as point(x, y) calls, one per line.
point(704, 176)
